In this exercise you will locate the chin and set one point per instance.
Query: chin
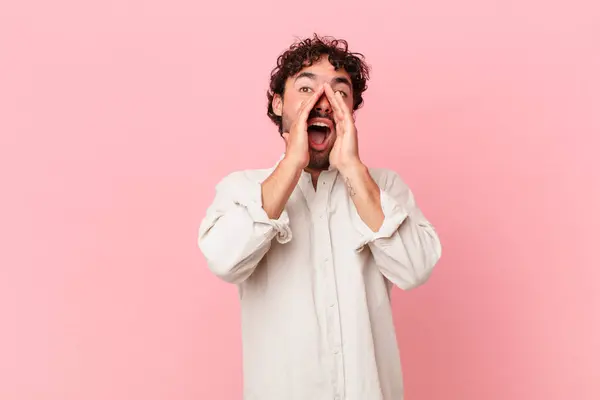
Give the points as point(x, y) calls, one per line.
point(319, 160)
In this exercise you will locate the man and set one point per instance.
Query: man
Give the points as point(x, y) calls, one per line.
point(316, 243)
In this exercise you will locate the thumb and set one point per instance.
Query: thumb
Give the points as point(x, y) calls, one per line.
point(286, 136)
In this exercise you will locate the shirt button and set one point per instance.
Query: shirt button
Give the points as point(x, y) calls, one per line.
point(336, 350)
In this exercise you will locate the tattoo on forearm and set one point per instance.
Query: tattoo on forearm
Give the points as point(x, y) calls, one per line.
point(350, 188)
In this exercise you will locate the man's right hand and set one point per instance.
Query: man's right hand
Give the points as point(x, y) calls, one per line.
point(296, 139)
point(278, 187)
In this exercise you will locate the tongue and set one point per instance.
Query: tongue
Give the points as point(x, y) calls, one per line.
point(316, 137)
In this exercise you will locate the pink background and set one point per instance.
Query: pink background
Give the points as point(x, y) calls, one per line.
point(117, 118)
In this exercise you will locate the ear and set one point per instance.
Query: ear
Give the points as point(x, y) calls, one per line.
point(277, 105)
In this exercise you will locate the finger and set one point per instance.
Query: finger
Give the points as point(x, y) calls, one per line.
point(310, 103)
point(333, 100)
point(331, 96)
point(342, 104)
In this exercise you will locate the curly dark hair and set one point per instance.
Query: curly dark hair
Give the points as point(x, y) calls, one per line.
point(307, 51)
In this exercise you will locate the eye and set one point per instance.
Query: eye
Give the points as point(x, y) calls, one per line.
point(305, 89)
point(344, 94)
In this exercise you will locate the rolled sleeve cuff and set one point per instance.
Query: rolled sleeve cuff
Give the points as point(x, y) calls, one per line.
point(254, 206)
point(394, 215)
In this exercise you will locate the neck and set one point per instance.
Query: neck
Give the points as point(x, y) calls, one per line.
point(314, 174)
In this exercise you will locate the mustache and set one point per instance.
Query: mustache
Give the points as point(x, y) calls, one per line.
point(318, 114)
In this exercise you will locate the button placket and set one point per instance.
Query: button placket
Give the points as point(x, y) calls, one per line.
point(331, 296)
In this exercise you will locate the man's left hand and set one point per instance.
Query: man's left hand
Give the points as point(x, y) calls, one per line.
point(344, 154)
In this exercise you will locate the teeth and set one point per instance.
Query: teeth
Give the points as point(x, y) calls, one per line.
point(320, 124)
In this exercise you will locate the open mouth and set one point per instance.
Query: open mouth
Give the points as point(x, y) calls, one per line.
point(318, 132)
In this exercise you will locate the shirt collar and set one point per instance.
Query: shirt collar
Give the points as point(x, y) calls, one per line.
point(331, 168)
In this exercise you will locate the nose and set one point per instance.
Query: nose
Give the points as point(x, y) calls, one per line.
point(323, 106)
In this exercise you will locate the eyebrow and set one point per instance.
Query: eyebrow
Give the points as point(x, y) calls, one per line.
point(341, 79)
point(310, 75)
point(305, 74)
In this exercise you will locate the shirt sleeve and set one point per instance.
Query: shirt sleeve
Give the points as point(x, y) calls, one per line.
point(236, 232)
point(406, 247)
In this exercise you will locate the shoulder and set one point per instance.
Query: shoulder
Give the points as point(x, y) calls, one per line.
point(237, 180)
point(386, 178)
point(391, 183)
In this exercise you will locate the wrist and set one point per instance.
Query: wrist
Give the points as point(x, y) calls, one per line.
point(353, 168)
point(289, 163)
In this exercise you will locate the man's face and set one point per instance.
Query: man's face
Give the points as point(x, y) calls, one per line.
point(300, 88)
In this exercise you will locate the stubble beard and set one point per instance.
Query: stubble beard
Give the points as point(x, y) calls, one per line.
point(319, 160)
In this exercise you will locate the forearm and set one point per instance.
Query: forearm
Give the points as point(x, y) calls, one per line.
point(236, 232)
point(365, 194)
point(404, 244)
point(235, 244)
point(408, 256)
point(278, 187)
